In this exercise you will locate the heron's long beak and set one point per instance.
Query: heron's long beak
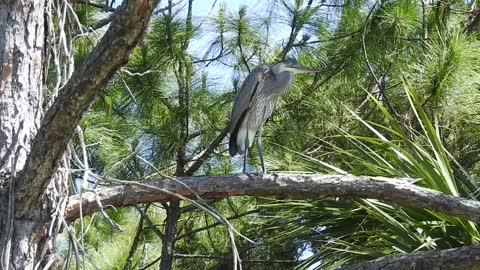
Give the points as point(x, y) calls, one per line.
point(302, 69)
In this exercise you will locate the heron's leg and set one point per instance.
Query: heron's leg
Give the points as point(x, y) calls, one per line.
point(260, 150)
point(260, 153)
point(245, 155)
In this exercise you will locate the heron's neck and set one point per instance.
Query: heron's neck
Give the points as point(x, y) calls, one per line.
point(284, 80)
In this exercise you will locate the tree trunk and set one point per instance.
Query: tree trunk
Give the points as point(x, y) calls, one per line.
point(33, 143)
point(21, 54)
point(168, 243)
point(21, 45)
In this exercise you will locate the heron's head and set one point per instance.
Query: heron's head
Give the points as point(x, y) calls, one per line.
point(291, 65)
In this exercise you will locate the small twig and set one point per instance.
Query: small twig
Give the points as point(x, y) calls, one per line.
point(117, 164)
point(216, 224)
point(84, 184)
point(74, 241)
point(150, 264)
point(107, 217)
point(160, 10)
point(128, 88)
point(124, 70)
point(91, 28)
point(93, 4)
point(424, 19)
point(150, 224)
point(92, 218)
point(376, 92)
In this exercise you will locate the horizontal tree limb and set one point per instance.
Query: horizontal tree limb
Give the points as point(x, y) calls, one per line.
point(223, 258)
point(455, 258)
point(299, 186)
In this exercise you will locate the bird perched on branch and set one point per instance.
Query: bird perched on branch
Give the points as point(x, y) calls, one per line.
point(255, 103)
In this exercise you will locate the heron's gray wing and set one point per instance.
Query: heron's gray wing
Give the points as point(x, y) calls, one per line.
point(243, 100)
point(246, 93)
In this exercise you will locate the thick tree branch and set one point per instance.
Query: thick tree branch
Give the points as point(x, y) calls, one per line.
point(454, 258)
point(223, 258)
point(399, 191)
point(78, 93)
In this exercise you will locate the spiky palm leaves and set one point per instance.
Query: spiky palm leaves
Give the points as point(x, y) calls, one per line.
point(397, 97)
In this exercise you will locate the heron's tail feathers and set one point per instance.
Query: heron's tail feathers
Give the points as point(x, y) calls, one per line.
point(242, 136)
point(241, 140)
point(232, 144)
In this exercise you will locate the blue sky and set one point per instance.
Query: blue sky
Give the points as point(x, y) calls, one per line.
point(203, 10)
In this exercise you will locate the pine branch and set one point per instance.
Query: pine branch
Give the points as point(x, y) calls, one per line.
point(194, 231)
point(206, 154)
point(150, 224)
point(401, 191)
point(93, 4)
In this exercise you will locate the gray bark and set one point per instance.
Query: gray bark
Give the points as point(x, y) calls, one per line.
point(463, 258)
point(79, 92)
point(28, 200)
point(21, 60)
point(401, 191)
point(170, 235)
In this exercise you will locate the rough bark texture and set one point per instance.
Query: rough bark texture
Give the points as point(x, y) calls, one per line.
point(76, 96)
point(299, 186)
point(21, 59)
point(40, 143)
point(170, 235)
point(463, 258)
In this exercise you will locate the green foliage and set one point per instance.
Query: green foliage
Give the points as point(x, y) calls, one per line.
point(422, 124)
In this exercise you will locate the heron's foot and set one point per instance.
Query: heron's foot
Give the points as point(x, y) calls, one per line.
point(250, 176)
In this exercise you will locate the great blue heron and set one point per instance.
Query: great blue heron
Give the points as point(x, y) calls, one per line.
point(255, 103)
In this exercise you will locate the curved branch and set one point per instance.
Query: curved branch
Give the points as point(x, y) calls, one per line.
point(455, 258)
point(401, 191)
point(128, 25)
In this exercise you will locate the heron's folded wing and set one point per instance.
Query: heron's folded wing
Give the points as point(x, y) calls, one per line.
point(246, 93)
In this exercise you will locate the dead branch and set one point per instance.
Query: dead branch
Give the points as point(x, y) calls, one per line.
point(455, 258)
point(401, 191)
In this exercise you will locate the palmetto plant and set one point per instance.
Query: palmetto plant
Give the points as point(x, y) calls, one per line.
point(342, 232)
